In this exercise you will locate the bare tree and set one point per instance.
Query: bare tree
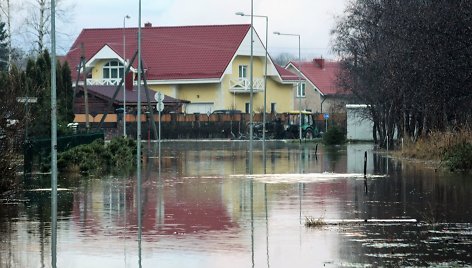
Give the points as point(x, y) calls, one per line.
point(284, 58)
point(6, 10)
point(39, 16)
point(411, 61)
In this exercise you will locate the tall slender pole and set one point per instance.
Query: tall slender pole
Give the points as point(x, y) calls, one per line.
point(124, 75)
point(251, 97)
point(138, 156)
point(53, 138)
point(264, 118)
point(265, 80)
point(300, 89)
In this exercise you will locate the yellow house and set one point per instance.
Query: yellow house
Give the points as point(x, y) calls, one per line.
point(206, 65)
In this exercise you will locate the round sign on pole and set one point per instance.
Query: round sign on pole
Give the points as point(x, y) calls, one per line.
point(159, 96)
point(326, 116)
point(160, 106)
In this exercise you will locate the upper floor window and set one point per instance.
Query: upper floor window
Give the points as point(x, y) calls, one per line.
point(113, 70)
point(301, 90)
point(242, 71)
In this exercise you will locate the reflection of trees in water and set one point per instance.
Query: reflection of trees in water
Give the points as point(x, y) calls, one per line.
point(333, 154)
point(7, 253)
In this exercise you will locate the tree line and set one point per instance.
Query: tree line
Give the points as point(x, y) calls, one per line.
point(410, 61)
point(21, 121)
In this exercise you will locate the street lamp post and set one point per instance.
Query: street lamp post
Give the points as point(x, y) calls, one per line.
point(299, 83)
point(265, 72)
point(124, 75)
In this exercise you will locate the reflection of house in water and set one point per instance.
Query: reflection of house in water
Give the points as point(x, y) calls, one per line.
point(183, 208)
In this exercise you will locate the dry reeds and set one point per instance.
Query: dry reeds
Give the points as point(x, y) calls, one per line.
point(435, 145)
point(314, 223)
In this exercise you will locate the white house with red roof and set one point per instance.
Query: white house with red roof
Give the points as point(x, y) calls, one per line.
point(319, 91)
point(208, 65)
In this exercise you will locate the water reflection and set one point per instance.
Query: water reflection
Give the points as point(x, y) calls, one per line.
point(200, 209)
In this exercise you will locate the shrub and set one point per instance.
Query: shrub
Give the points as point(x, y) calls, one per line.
point(333, 136)
point(459, 157)
point(98, 157)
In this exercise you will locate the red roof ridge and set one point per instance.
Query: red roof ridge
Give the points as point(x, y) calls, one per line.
point(166, 27)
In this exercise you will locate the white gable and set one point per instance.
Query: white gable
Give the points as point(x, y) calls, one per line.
point(106, 53)
point(258, 51)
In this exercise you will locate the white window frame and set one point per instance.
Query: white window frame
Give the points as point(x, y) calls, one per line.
point(242, 71)
point(111, 66)
point(301, 90)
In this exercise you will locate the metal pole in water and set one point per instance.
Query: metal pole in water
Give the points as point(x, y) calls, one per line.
point(387, 154)
point(365, 164)
point(251, 95)
point(53, 138)
point(138, 143)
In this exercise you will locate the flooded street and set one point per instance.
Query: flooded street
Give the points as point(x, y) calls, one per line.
point(202, 209)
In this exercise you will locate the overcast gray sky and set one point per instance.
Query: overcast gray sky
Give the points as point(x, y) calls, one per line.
point(312, 19)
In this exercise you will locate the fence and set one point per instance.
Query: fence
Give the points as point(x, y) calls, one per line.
point(203, 126)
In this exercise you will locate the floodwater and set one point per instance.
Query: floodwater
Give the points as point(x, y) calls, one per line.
point(202, 209)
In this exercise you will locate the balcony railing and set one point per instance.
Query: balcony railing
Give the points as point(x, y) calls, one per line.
point(243, 85)
point(103, 82)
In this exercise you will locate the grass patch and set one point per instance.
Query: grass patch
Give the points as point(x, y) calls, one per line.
point(314, 223)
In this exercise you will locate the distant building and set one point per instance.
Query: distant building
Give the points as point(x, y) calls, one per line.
point(319, 91)
point(359, 126)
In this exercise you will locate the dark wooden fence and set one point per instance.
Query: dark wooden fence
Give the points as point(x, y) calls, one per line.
point(203, 126)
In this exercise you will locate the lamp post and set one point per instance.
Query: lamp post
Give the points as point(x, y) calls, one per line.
point(251, 96)
point(53, 138)
point(124, 75)
point(265, 71)
point(299, 83)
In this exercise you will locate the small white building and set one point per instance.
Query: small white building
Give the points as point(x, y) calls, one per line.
point(359, 126)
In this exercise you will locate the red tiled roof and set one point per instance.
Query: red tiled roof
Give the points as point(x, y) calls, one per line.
point(186, 52)
point(323, 77)
point(285, 74)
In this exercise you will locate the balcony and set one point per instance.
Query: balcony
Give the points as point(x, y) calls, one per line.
point(103, 82)
point(242, 85)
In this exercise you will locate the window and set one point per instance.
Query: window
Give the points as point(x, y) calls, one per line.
point(242, 71)
point(272, 108)
point(248, 109)
point(113, 70)
point(301, 90)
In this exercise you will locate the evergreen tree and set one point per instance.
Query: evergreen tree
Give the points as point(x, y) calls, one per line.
point(3, 47)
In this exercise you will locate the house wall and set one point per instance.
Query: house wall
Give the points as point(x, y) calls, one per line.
point(202, 97)
point(334, 104)
point(314, 100)
point(276, 92)
point(210, 96)
point(169, 90)
point(97, 71)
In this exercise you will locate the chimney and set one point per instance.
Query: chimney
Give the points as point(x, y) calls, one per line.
point(147, 25)
point(320, 62)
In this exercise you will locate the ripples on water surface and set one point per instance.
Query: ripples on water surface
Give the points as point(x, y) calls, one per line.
point(204, 211)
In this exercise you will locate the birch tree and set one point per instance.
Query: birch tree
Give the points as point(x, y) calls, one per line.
point(6, 11)
point(38, 20)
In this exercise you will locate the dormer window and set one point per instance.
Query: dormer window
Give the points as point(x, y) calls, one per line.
point(113, 70)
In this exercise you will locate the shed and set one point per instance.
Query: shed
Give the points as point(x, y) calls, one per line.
point(359, 125)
